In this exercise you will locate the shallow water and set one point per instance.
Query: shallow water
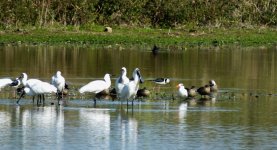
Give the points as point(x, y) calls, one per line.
point(242, 116)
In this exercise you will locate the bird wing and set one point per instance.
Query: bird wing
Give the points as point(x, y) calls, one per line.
point(94, 87)
point(129, 90)
point(31, 82)
point(43, 88)
point(5, 82)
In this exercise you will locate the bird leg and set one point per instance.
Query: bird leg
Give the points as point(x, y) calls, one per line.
point(43, 99)
point(22, 94)
point(94, 102)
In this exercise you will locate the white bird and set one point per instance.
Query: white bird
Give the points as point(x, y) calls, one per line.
point(121, 81)
point(58, 81)
point(97, 85)
point(36, 87)
point(40, 88)
point(129, 90)
point(5, 82)
point(182, 92)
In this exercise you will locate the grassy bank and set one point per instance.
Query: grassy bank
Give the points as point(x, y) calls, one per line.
point(143, 36)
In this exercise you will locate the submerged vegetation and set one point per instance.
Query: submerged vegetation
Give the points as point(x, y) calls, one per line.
point(163, 22)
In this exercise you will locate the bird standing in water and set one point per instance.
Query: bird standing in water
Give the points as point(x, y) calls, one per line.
point(182, 92)
point(129, 91)
point(59, 82)
point(97, 86)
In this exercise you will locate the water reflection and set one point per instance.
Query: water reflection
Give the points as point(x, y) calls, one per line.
point(230, 67)
point(234, 118)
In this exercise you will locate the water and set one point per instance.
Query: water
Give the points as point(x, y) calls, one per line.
point(242, 116)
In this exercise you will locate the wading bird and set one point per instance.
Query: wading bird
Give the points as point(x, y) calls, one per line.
point(39, 89)
point(33, 86)
point(121, 81)
point(129, 90)
point(59, 82)
point(97, 86)
point(161, 80)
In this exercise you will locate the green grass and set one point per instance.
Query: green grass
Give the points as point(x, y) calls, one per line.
point(181, 38)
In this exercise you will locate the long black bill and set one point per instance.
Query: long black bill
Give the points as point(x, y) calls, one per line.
point(141, 80)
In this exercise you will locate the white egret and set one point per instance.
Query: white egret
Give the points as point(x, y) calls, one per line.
point(97, 86)
point(129, 90)
point(182, 92)
point(121, 81)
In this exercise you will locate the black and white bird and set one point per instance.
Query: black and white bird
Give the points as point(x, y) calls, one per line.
point(161, 81)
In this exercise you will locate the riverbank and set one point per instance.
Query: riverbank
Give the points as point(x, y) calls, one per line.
point(181, 38)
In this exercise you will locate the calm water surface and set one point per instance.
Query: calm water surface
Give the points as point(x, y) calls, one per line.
point(242, 116)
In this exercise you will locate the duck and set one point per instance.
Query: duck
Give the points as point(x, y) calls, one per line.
point(155, 50)
point(213, 86)
point(143, 92)
point(192, 91)
point(204, 90)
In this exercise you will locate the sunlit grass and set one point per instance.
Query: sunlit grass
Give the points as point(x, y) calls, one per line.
point(143, 36)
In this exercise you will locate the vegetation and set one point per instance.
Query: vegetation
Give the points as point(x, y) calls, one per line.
point(154, 13)
point(144, 36)
point(166, 22)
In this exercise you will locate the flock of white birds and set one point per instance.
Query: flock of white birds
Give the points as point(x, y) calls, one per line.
point(126, 89)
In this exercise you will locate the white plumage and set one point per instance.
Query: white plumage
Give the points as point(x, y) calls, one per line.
point(121, 81)
point(182, 92)
point(34, 87)
point(5, 82)
point(97, 85)
point(58, 81)
point(129, 90)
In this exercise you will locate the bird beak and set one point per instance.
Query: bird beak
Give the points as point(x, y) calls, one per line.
point(141, 80)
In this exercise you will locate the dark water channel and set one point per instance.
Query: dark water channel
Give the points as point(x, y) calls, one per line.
point(242, 116)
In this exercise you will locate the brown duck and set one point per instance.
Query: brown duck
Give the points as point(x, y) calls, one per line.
point(205, 90)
